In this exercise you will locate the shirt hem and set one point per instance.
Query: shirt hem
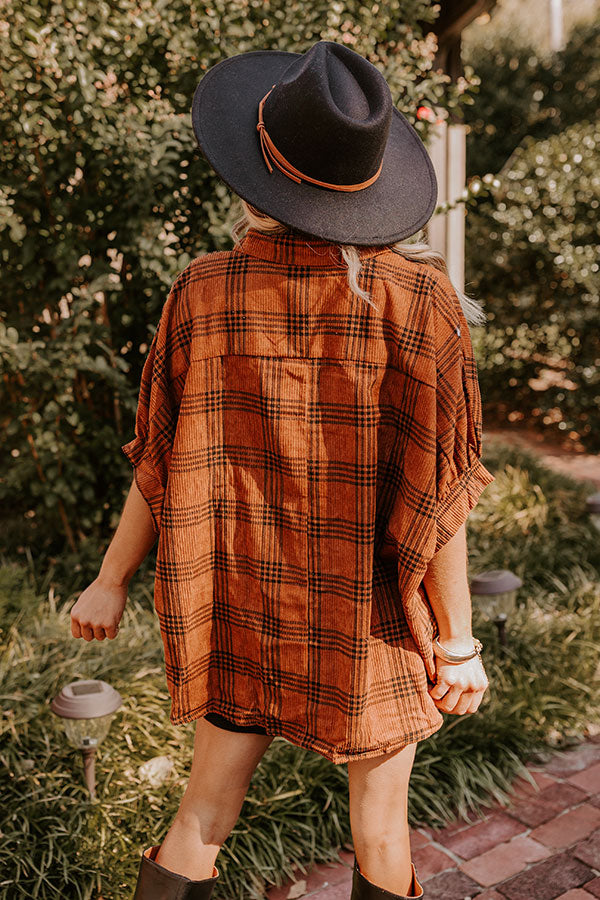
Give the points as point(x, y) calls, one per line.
point(308, 742)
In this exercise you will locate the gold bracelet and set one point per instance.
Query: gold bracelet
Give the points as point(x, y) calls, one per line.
point(449, 656)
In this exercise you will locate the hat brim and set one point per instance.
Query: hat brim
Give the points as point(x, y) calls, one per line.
point(224, 117)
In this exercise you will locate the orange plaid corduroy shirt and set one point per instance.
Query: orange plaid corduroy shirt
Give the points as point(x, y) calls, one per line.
point(304, 456)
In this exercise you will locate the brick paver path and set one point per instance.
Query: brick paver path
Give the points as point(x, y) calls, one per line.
point(544, 845)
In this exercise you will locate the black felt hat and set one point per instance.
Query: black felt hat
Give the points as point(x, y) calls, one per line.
point(313, 139)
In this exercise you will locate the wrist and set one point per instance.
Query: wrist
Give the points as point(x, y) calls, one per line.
point(108, 578)
point(457, 643)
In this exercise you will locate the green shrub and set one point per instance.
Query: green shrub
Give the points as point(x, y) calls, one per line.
point(523, 93)
point(105, 198)
point(532, 244)
point(534, 255)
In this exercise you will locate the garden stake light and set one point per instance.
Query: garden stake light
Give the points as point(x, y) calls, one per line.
point(495, 593)
point(592, 504)
point(86, 708)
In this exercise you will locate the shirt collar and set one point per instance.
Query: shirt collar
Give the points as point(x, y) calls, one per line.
point(295, 249)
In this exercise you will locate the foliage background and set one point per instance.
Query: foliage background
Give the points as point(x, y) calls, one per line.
point(533, 242)
point(104, 199)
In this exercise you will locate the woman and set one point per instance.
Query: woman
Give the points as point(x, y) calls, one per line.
point(307, 449)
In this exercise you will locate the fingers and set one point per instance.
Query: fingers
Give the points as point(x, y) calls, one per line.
point(450, 697)
point(96, 613)
point(460, 702)
point(476, 700)
point(464, 703)
point(89, 632)
point(456, 698)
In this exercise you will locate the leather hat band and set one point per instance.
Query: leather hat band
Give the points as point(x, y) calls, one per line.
point(269, 150)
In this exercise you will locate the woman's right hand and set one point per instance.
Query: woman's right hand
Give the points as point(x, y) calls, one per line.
point(460, 687)
point(98, 610)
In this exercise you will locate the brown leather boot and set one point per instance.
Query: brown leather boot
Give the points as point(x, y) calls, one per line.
point(157, 883)
point(363, 889)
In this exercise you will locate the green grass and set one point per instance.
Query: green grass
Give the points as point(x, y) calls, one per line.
point(57, 843)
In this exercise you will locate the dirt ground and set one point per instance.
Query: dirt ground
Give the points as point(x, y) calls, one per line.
point(555, 455)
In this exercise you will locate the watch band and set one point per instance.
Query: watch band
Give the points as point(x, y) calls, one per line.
point(449, 656)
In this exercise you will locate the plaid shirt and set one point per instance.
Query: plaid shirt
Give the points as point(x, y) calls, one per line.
point(304, 456)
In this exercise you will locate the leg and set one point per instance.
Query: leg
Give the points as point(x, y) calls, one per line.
point(222, 767)
point(378, 793)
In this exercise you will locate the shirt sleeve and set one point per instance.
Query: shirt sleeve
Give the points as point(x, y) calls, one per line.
point(161, 388)
point(460, 474)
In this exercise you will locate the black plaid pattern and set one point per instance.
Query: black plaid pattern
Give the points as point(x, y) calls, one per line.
point(304, 456)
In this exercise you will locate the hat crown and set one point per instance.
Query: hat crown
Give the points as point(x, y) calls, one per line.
point(330, 114)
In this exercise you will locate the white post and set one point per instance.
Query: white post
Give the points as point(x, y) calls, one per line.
point(455, 224)
point(437, 148)
point(446, 231)
point(557, 38)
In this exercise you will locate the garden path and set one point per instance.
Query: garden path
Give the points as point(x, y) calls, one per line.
point(545, 845)
point(567, 457)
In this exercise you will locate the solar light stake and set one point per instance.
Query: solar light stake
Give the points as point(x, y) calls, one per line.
point(89, 769)
point(87, 708)
point(495, 593)
point(592, 504)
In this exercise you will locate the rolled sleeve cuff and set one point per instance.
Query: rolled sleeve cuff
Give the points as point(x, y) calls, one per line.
point(146, 479)
point(460, 498)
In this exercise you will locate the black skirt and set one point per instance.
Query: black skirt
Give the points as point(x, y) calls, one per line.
point(222, 722)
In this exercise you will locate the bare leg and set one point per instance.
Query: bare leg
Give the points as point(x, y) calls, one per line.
point(222, 767)
point(378, 793)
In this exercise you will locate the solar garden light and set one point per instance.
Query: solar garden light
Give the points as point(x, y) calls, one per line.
point(495, 593)
point(87, 708)
point(592, 504)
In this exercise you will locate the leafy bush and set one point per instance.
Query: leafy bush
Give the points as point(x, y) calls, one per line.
point(532, 244)
point(534, 255)
point(534, 522)
point(524, 93)
point(105, 197)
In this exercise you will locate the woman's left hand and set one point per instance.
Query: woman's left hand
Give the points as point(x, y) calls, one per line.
point(460, 686)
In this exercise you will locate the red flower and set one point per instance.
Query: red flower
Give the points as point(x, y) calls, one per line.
point(424, 112)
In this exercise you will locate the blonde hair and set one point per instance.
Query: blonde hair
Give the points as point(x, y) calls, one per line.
point(413, 250)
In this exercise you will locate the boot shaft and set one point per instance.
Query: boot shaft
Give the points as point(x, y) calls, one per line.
point(155, 882)
point(363, 889)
